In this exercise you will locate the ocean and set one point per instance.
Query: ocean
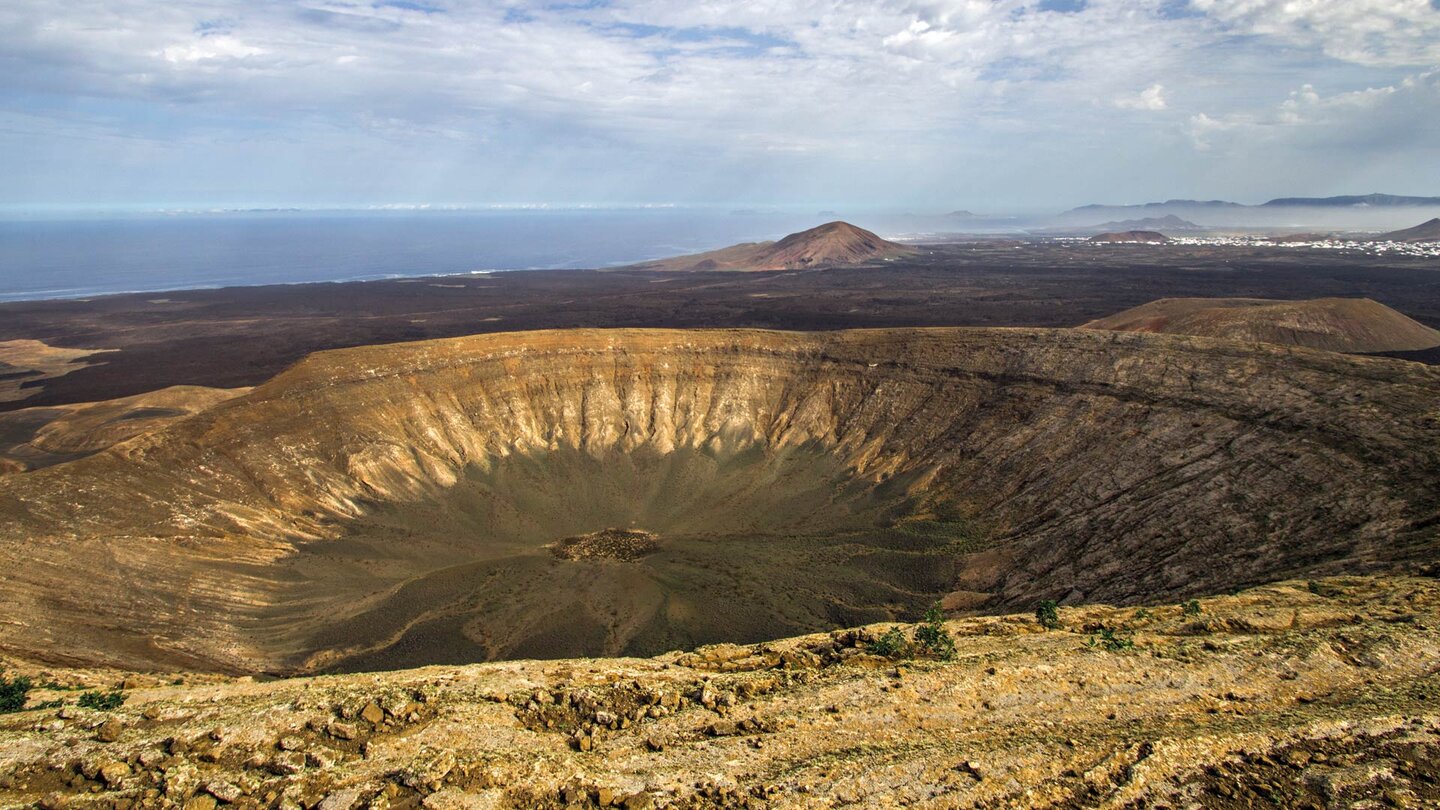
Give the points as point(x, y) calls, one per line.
point(74, 257)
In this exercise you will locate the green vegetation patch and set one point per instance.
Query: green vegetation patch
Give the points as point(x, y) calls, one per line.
point(929, 640)
point(103, 701)
point(13, 693)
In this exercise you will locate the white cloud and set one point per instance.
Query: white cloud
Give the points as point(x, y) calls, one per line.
point(631, 65)
point(707, 93)
point(1203, 128)
point(1151, 98)
point(1384, 115)
point(207, 48)
point(1372, 32)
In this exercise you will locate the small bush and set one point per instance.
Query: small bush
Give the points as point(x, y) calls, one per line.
point(55, 686)
point(932, 636)
point(1108, 639)
point(892, 645)
point(13, 693)
point(1048, 615)
point(104, 701)
point(1191, 608)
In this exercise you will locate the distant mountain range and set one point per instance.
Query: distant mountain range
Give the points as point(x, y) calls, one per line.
point(1279, 202)
point(1157, 206)
point(1169, 222)
point(1352, 200)
point(1126, 237)
point(1359, 209)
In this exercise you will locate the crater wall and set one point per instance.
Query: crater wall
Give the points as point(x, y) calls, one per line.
point(274, 531)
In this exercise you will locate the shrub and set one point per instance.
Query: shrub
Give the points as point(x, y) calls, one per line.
point(1191, 608)
point(104, 701)
point(932, 636)
point(891, 645)
point(1048, 615)
point(13, 693)
point(1109, 640)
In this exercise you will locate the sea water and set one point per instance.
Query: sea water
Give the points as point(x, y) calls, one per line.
point(75, 256)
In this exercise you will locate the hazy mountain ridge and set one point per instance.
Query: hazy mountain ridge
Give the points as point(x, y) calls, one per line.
point(1339, 200)
point(1175, 203)
point(1358, 212)
point(1169, 222)
point(1353, 199)
point(1125, 237)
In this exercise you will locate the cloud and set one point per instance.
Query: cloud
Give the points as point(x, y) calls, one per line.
point(205, 48)
point(1151, 98)
point(724, 98)
point(639, 64)
point(1372, 32)
point(1374, 117)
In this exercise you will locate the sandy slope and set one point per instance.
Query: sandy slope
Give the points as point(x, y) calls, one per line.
point(1333, 324)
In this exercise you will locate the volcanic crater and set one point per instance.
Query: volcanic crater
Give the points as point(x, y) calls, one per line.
point(401, 505)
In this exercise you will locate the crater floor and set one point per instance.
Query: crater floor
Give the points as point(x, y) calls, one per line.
point(756, 545)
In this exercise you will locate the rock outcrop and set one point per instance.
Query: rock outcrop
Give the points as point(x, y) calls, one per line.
point(391, 506)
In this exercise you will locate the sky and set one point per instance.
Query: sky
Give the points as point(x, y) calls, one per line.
point(987, 105)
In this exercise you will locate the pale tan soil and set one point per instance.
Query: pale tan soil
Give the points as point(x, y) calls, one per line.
point(32, 438)
point(1293, 695)
point(26, 362)
point(1332, 324)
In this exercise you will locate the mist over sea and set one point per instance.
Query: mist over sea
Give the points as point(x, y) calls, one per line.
point(73, 257)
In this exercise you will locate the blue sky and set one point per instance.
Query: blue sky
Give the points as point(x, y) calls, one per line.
point(990, 105)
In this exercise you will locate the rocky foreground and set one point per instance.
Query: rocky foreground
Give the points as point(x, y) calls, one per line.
point(1299, 694)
